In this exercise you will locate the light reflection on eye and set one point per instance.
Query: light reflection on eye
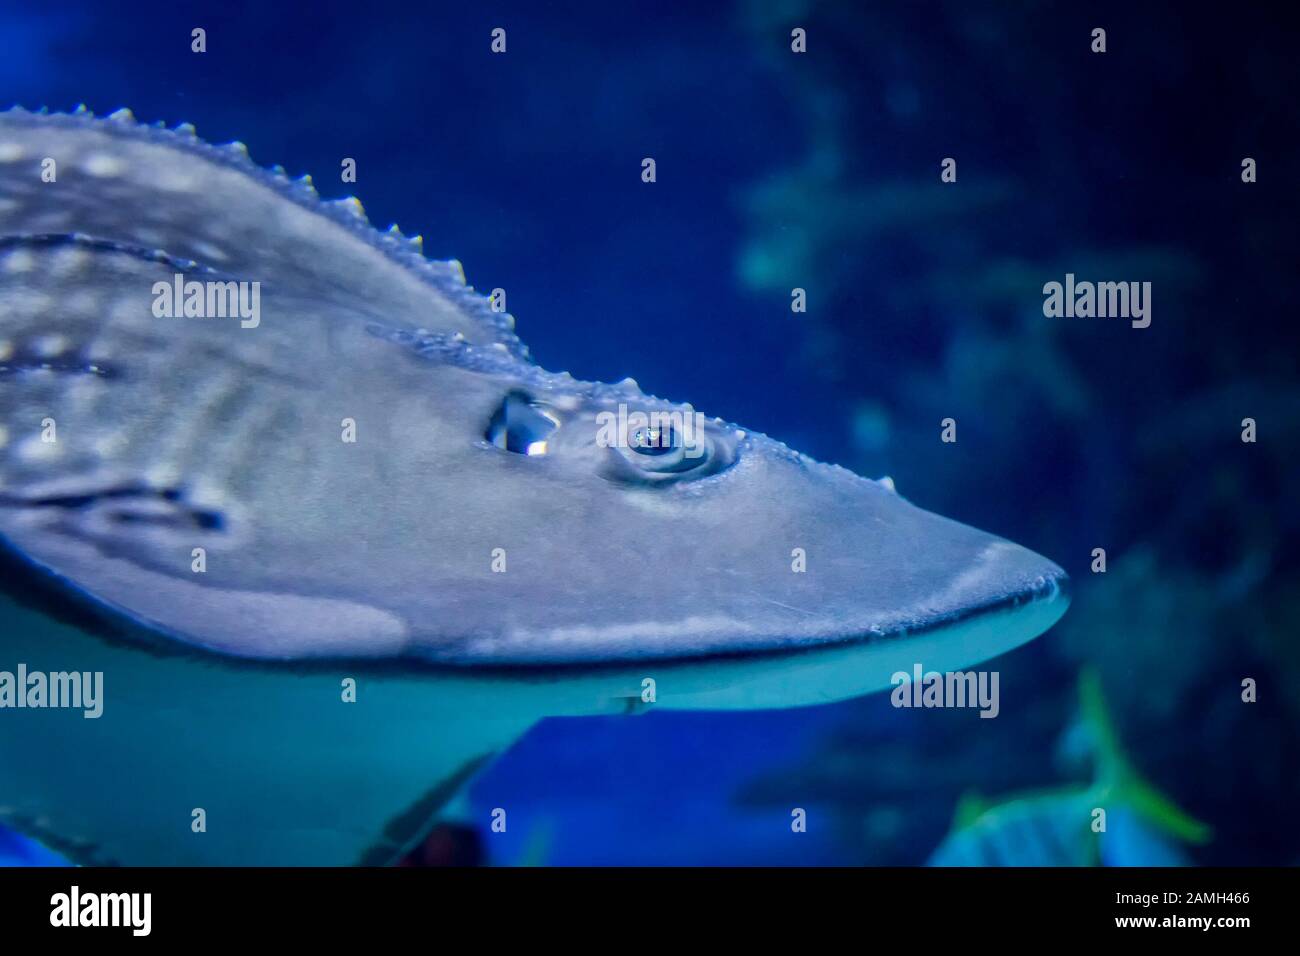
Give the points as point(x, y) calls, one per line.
point(654, 441)
point(667, 451)
point(522, 425)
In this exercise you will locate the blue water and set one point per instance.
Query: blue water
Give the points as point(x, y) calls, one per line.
point(924, 303)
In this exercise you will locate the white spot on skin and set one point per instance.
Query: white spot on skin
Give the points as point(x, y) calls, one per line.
point(162, 475)
point(11, 152)
point(6, 350)
point(19, 261)
point(50, 346)
point(67, 262)
point(34, 450)
point(24, 301)
point(99, 352)
point(84, 392)
point(107, 446)
point(103, 165)
point(4, 436)
point(208, 252)
point(124, 309)
point(203, 493)
point(663, 509)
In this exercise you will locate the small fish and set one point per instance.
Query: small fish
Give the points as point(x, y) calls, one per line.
point(1055, 827)
point(332, 556)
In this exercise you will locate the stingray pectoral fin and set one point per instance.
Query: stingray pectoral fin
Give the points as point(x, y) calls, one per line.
point(149, 188)
point(131, 439)
point(199, 759)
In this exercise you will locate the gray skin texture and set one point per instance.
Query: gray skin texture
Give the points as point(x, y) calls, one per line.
point(630, 581)
point(384, 546)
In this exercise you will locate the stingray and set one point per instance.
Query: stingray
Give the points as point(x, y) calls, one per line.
point(332, 561)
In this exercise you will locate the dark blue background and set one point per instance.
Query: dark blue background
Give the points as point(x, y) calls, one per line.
point(821, 171)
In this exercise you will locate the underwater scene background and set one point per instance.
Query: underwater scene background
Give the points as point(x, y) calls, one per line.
point(821, 171)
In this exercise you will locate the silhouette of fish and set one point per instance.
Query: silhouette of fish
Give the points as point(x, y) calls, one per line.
point(1062, 827)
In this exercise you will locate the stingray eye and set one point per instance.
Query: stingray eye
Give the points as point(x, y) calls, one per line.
point(661, 448)
point(669, 447)
point(522, 425)
point(655, 442)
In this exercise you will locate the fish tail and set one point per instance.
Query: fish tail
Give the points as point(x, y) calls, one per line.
point(1121, 781)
